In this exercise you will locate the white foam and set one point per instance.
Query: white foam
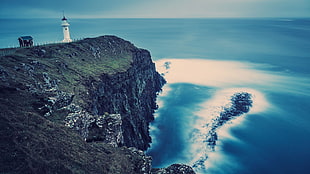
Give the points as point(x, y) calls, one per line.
point(229, 74)
point(210, 72)
point(165, 91)
point(219, 162)
point(154, 132)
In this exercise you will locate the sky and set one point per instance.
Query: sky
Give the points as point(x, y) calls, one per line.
point(154, 8)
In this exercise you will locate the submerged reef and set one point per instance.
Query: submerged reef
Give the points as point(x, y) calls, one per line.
point(240, 103)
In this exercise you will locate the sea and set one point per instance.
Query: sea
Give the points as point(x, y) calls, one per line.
point(205, 62)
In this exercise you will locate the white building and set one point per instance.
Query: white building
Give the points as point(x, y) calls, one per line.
point(65, 29)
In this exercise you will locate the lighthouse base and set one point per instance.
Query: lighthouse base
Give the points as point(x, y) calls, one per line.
point(66, 40)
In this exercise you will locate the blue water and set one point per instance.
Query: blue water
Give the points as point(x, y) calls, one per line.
point(210, 60)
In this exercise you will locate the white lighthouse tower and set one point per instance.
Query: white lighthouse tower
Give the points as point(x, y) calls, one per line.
point(65, 29)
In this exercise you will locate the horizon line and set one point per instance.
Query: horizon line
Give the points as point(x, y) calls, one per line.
point(219, 17)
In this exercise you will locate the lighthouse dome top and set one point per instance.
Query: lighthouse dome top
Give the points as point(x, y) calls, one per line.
point(64, 18)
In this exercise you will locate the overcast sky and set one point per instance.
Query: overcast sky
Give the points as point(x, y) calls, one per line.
point(154, 8)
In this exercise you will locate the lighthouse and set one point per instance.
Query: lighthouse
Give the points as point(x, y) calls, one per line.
point(65, 29)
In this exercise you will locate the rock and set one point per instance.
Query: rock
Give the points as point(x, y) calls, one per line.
point(4, 76)
point(143, 164)
point(175, 169)
point(240, 104)
point(106, 128)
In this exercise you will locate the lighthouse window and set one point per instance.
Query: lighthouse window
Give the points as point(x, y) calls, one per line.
point(65, 28)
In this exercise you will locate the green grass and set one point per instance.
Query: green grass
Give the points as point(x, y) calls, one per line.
point(69, 64)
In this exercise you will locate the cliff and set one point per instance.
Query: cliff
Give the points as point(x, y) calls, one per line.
point(77, 107)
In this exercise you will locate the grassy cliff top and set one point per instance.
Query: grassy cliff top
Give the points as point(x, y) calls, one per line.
point(69, 63)
point(105, 54)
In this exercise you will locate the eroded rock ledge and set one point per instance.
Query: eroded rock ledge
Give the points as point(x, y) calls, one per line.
point(174, 169)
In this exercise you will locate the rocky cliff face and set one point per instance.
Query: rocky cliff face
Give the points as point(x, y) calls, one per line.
point(132, 94)
point(73, 108)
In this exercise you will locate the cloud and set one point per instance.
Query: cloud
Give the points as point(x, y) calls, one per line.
point(215, 8)
point(156, 9)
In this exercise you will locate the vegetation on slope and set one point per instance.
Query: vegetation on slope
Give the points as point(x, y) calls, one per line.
point(29, 78)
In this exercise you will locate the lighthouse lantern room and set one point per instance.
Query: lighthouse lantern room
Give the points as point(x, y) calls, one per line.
point(65, 29)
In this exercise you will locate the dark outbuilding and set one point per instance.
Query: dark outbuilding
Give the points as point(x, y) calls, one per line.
point(25, 41)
